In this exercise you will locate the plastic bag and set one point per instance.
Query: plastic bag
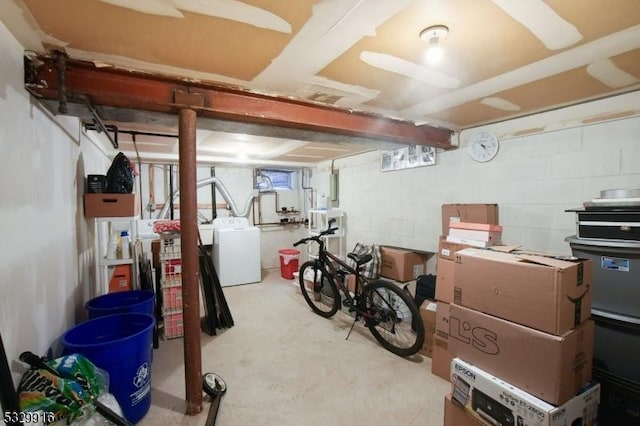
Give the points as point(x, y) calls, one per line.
point(68, 395)
point(120, 175)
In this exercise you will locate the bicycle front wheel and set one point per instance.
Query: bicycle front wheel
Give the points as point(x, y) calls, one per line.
point(318, 289)
point(393, 318)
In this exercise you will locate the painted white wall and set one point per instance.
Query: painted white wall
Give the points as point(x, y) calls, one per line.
point(46, 249)
point(534, 179)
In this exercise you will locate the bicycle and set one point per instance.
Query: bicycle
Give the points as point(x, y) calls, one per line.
point(389, 312)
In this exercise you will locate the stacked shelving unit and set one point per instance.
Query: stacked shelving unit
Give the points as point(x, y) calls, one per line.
point(318, 221)
point(171, 285)
point(117, 274)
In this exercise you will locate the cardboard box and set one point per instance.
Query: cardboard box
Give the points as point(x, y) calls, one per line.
point(447, 249)
point(155, 253)
point(471, 242)
point(111, 205)
point(428, 315)
point(120, 278)
point(474, 213)
point(440, 357)
point(494, 400)
point(402, 265)
point(445, 280)
point(542, 292)
point(455, 415)
point(442, 321)
point(471, 226)
point(553, 368)
point(480, 234)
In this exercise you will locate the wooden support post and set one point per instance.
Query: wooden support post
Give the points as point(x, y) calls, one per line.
point(190, 262)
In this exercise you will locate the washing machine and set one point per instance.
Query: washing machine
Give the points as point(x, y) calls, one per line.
point(236, 251)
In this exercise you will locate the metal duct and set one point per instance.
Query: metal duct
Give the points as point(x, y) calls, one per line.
point(223, 191)
point(267, 179)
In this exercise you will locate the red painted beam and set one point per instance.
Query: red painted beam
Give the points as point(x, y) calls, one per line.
point(127, 89)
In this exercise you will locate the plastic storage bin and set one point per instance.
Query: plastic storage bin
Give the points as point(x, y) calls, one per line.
point(121, 345)
point(288, 262)
point(141, 301)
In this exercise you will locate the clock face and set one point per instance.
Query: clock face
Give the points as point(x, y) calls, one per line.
point(483, 146)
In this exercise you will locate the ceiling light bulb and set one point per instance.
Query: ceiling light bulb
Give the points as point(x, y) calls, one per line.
point(433, 35)
point(435, 53)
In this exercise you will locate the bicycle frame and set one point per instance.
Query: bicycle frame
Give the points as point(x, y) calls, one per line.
point(327, 261)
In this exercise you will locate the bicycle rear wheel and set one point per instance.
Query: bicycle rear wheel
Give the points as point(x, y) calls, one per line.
point(318, 289)
point(390, 314)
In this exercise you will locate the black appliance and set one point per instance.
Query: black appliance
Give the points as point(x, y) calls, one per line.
point(490, 409)
point(608, 233)
point(96, 184)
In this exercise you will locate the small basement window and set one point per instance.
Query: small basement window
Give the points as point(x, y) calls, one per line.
point(281, 179)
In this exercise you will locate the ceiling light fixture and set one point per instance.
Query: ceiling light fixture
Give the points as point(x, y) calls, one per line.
point(433, 35)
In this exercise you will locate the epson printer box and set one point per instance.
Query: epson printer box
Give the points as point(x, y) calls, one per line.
point(499, 403)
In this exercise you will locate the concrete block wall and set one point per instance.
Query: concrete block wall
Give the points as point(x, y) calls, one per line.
point(534, 179)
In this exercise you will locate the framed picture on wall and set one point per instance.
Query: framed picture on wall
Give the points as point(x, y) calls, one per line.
point(386, 161)
point(395, 159)
point(407, 157)
point(413, 156)
point(427, 155)
point(399, 156)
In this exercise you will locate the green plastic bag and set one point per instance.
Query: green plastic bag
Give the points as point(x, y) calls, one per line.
point(67, 395)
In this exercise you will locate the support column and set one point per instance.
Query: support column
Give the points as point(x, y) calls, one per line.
point(190, 262)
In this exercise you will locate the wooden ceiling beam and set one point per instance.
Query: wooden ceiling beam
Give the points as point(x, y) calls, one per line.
point(107, 86)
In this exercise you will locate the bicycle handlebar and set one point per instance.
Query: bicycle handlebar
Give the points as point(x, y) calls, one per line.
point(316, 238)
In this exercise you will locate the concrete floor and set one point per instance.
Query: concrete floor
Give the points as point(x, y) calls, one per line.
point(284, 365)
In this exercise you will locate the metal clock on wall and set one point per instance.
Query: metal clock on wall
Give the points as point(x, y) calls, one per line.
point(483, 146)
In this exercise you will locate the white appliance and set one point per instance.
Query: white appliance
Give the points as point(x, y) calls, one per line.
point(236, 251)
point(206, 233)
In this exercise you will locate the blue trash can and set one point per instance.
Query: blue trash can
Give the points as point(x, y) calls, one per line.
point(142, 301)
point(121, 344)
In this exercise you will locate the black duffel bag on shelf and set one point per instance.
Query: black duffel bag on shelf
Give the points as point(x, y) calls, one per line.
point(120, 176)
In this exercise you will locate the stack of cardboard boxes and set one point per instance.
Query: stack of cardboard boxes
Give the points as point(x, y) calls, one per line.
point(452, 214)
point(518, 332)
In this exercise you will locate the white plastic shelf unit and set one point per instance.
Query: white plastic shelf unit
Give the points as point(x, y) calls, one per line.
point(171, 285)
point(104, 227)
point(318, 222)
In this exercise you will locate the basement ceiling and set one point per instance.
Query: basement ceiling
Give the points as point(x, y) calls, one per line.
point(502, 58)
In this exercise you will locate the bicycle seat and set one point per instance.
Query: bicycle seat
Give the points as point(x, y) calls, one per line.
point(360, 259)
